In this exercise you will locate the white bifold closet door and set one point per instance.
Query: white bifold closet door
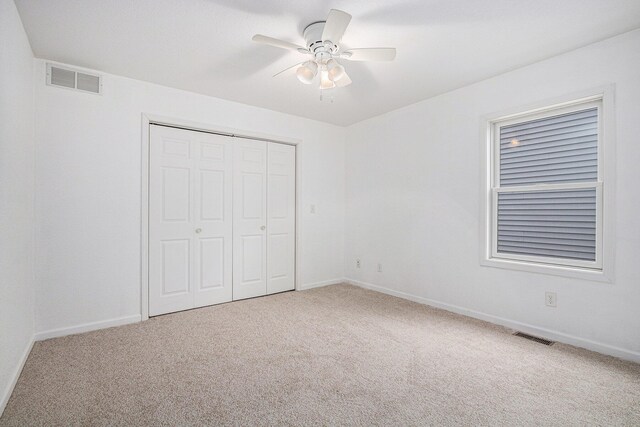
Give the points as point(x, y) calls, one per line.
point(281, 214)
point(264, 218)
point(221, 219)
point(190, 219)
point(249, 218)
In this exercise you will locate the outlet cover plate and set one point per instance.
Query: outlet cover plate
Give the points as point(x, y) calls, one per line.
point(550, 299)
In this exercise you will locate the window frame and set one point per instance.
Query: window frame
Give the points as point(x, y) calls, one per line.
point(598, 270)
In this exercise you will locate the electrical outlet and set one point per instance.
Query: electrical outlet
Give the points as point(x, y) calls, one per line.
point(358, 263)
point(379, 267)
point(550, 299)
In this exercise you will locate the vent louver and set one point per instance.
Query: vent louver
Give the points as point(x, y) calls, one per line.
point(72, 79)
point(62, 77)
point(532, 338)
point(88, 82)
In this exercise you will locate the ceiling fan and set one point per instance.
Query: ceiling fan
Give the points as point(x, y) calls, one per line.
point(323, 44)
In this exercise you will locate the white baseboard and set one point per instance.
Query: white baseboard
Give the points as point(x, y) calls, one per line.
point(16, 374)
point(512, 324)
point(323, 283)
point(87, 327)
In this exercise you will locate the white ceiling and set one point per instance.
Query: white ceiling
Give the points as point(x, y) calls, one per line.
point(205, 46)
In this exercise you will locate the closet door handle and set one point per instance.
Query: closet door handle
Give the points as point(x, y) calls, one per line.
point(263, 228)
point(198, 230)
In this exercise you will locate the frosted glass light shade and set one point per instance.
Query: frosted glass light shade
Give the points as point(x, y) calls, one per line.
point(335, 70)
point(307, 71)
point(325, 82)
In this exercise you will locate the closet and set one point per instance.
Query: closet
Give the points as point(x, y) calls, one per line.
point(221, 218)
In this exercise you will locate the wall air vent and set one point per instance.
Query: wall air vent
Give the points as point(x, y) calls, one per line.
point(532, 338)
point(73, 79)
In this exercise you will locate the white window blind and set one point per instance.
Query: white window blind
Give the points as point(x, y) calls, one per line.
point(547, 194)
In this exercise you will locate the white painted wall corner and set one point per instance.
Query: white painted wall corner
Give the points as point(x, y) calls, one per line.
point(6, 394)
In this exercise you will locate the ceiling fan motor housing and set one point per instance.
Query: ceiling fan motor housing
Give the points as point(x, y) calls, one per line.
point(323, 50)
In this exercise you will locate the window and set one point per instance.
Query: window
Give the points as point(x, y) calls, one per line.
point(546, 187)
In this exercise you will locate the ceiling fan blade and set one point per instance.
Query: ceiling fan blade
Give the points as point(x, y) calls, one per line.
point(288, 68)
point(370, 54)
point(344, 80)
point(336, 25)
point(259, 38)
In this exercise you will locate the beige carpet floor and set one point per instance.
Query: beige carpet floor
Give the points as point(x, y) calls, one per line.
point(338, 355)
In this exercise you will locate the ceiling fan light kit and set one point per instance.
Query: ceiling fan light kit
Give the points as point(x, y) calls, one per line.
point(323, 44)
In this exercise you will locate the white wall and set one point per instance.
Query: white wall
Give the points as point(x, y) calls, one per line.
point(16, 197)
point(88, 192)
point(413, 201)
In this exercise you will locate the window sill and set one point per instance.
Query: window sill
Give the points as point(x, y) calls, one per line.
point(553, 270)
